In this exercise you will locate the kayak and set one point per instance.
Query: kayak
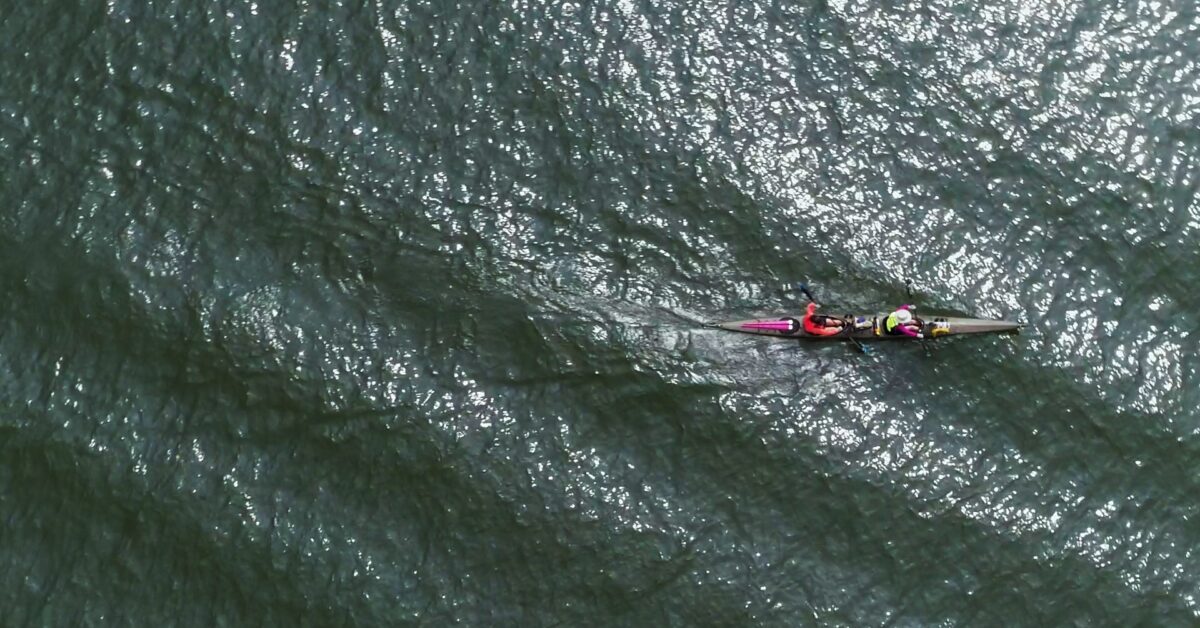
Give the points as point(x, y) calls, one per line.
point(870, 327)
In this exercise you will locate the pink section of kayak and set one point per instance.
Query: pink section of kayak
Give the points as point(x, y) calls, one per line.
point(772, 325)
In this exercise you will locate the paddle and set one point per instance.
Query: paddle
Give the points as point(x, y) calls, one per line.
point(861, 347)
point(803, 288)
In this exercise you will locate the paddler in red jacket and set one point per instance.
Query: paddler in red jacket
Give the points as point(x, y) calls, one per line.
point(820, 325)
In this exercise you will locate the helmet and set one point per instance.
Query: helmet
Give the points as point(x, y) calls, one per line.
point(903, 316)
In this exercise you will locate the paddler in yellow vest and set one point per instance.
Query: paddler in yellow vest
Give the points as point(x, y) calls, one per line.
point(901, 323)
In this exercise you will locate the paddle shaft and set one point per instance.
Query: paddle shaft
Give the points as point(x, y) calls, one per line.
point(804, 290)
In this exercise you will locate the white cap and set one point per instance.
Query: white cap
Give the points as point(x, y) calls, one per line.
point(903, 316)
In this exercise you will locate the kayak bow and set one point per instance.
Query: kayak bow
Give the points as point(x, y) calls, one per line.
point(871, 327)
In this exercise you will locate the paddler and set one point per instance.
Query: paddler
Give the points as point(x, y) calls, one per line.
point(820, 325)
point(901, 323)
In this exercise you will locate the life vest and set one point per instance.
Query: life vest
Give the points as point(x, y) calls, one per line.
point(890, 324)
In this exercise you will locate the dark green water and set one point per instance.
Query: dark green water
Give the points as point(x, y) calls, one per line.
point(376, 313)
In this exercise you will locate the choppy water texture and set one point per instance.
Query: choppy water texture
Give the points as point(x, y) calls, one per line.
point(377, 313)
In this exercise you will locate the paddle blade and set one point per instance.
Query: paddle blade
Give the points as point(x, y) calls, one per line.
point(803, 288)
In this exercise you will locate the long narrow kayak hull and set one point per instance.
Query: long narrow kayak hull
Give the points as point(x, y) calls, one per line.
point(870, 327)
